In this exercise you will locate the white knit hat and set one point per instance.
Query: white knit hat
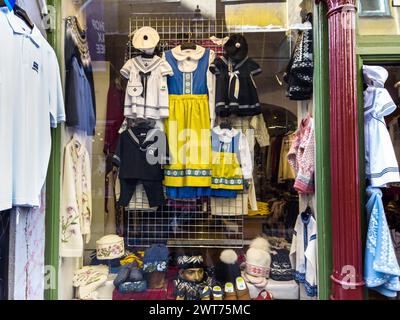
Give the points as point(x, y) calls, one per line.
point(145, 38)
point(258, 262)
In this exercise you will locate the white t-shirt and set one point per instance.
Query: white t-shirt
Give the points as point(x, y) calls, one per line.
point(31, 102)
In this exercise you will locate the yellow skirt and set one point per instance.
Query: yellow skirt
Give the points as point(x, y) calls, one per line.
point(226, 171)
point(188, 133)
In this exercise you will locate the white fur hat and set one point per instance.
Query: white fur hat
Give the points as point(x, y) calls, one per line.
point(145, 38)
point(260, 243)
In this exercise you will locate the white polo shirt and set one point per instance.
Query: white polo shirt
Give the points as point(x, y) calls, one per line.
point(31, 102)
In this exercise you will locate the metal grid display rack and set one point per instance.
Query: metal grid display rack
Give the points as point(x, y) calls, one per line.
point(201, 222)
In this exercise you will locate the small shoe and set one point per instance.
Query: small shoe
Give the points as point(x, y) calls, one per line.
point(217, 293)
point(206, 294)
point(242, 290)
point(264, 295)
point(230, 293)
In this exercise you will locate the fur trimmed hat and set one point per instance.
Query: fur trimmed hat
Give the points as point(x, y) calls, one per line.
point(227, 269)
point(236, 47)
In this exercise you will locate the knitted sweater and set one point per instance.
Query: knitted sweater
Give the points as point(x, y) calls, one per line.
point(301, 156)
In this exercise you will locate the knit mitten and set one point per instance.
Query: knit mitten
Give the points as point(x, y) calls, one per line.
point(123, 275)
point(135, 275)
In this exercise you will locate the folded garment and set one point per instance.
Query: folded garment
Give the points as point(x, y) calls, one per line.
point(88, 279)
point(127, 287)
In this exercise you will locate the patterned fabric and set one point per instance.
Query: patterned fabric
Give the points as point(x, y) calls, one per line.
point(29, 270)
point(381, 268)
point(189, 262)
point(88, 279)
point(156, 258)
point(137, 286)
point(256, 271)
point(281, 268)
point(301, 156)
point(299, 74)
point(191, 290)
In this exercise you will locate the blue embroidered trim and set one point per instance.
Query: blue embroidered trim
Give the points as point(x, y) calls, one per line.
point(383, 172)
point(312, 291)
point(313, 237)
point(227, 181)
point(187, 173)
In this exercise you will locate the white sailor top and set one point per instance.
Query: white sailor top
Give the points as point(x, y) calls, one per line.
point(147, 90)
point(381, 163)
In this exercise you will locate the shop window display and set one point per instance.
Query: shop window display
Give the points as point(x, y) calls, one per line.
point(201, 156)
point(381, 98)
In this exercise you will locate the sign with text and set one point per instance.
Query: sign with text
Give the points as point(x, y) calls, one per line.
point(96, 31)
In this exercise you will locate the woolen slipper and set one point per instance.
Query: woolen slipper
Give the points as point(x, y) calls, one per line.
point(230, 293)
point(242, 290)
point(217, 293)
point(206, 294)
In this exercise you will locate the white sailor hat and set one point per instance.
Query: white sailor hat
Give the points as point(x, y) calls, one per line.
point(145, 38)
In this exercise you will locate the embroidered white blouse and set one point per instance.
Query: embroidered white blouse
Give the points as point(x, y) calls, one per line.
point(76, 200)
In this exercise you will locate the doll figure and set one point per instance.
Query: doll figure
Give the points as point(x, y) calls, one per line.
point(192, 278)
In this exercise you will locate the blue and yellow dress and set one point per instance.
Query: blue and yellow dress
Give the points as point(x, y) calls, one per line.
point(227, 175)
point(188, 128)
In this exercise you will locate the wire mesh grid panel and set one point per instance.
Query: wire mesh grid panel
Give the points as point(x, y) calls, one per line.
point(203, 222)
point(175, 29)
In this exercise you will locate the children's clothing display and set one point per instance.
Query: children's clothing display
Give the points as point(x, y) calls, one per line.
point(301, 156)
point(380, 170)
point(147, 90)
point(189, 123)
point(236, 91)
point(231, 162)
point(76, 200)
point(303, 253)
point(381, 271)
point(147, 149)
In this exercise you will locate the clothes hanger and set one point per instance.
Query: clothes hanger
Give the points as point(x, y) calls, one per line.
point(21, 13)
point(189, 45)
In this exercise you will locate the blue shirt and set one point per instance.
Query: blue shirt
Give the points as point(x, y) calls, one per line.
point(79, 102)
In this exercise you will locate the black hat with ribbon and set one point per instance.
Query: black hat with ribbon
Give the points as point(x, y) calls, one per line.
point(236, 47)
